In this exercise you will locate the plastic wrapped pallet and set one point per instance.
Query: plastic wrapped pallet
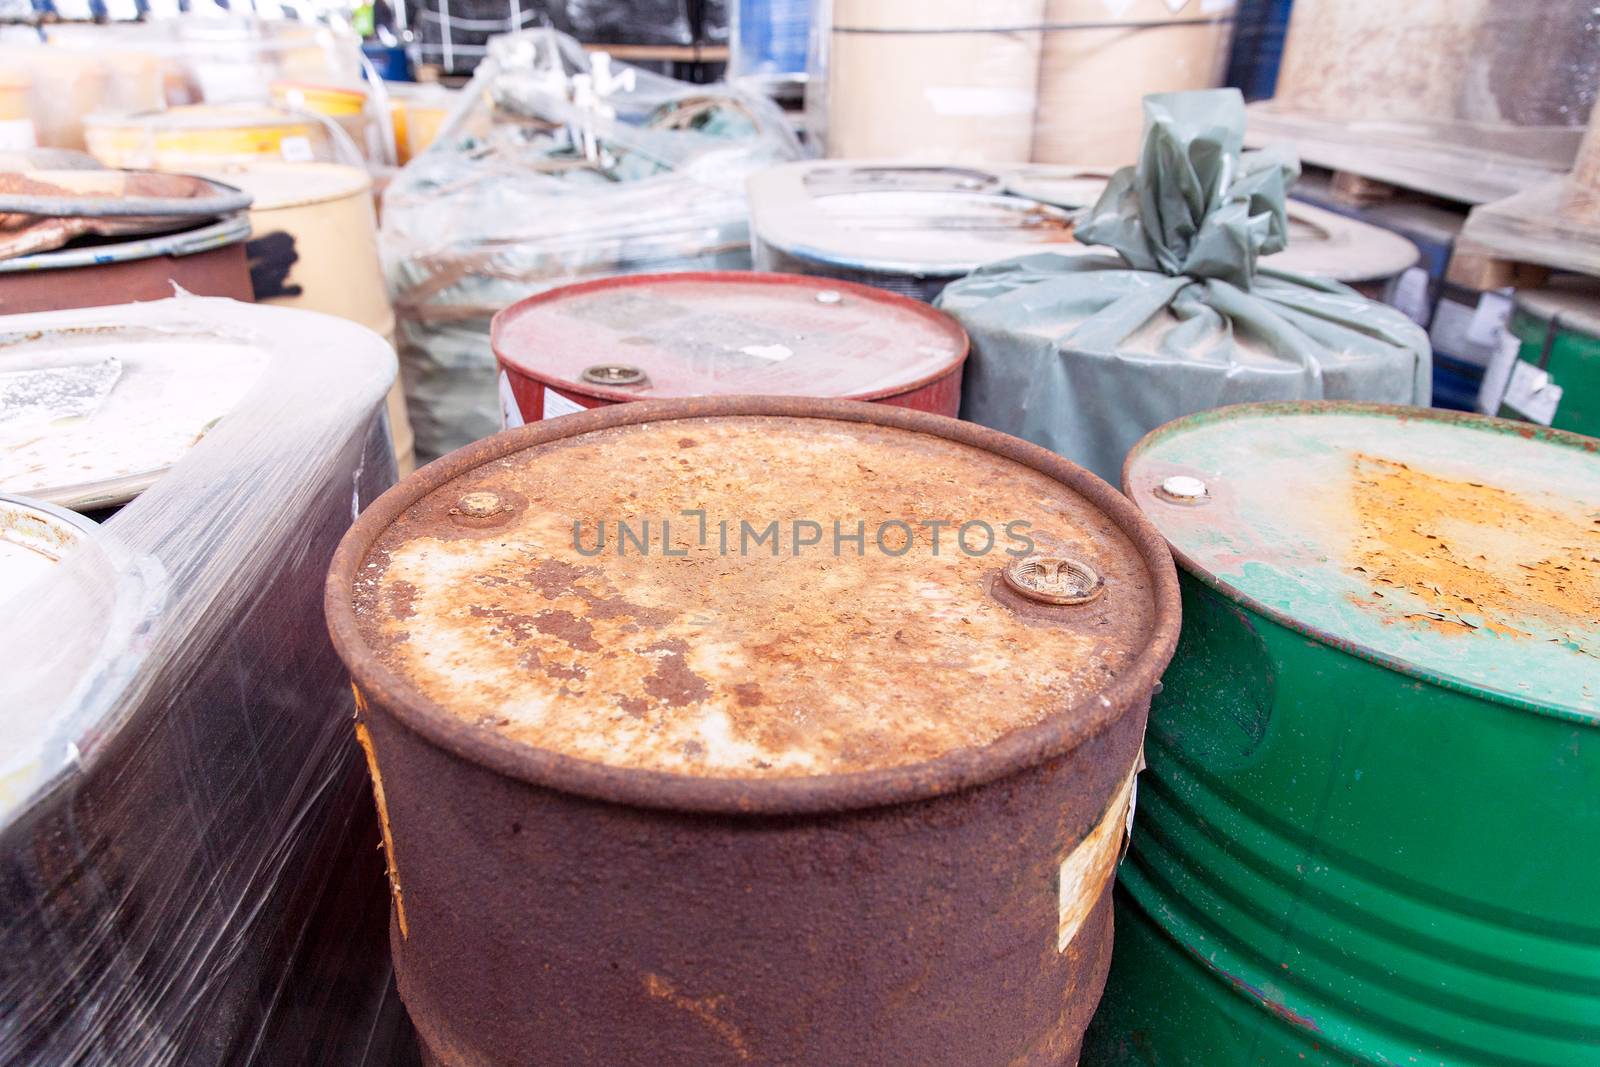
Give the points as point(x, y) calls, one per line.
point(559, 167)
point(1085, 354)
point(189, 864)
point(1471, 100)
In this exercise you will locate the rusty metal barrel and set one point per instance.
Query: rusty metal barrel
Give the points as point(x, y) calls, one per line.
point(716, 333)
point(722, 731)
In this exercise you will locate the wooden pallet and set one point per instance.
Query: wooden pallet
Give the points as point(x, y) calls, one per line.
point(1481, 270)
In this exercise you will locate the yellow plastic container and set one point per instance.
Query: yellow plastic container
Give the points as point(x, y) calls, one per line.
point(202, 137)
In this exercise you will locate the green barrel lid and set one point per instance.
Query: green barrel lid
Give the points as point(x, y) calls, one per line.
point(1572, 303)
point(1458, 548)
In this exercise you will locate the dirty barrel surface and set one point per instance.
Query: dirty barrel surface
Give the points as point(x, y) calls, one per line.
point(717, 800)
point(1369, 830)
point(717, 333)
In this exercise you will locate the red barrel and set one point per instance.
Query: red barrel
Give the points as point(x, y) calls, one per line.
point(708, 333)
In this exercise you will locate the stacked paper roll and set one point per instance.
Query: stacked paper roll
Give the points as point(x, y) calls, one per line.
point(933, 79)
point(1101, 57)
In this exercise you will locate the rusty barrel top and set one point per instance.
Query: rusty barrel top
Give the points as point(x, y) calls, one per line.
point(467, 601)
point(719, 333)
point(1459, 548)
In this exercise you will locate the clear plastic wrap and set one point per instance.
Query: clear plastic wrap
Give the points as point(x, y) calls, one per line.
point(558, 166)
point(1054, 81)
point(1467, 99)
point(189, 872)
point(135, 67)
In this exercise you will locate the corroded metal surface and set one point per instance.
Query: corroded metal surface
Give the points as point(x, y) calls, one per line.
point(733, 656)
point(710, 333)
point(951, 912)
point(1461, 548)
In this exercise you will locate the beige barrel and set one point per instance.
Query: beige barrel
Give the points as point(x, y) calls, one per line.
point(1096, 67)
point(202, 137)
point(933, 79)
point(314, 245)
point(16, 112)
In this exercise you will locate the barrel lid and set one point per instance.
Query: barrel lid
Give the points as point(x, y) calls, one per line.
point(1458, 548)
point(697, 334)
point(915, 218)
point(469, 601)
point(92, 412)
point(34, 537)
point(1572, 303)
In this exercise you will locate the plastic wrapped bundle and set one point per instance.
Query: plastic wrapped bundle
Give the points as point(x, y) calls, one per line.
point(1085, 354)
point(1472, 100)
point(189, 870)
point(558, 167)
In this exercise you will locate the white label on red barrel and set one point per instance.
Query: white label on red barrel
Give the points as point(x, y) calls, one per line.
point(556, 405)
point(510, 413)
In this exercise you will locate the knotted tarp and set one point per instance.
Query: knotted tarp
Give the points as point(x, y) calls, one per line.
point(1085, 354)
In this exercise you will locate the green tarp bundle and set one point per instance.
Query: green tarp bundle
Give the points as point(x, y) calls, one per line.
point(1085, 354)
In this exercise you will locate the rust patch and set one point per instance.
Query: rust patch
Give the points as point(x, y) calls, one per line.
point(706, 1009)
point(364, 739)
point(1477, 555)
point(780, 661)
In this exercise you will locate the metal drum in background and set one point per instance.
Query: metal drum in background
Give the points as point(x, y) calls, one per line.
point(650, 336)
point(207, 260)
point(914, 229)
point(1369, 830)
point(1559, 328)
point(905, 228)
point(615, 837)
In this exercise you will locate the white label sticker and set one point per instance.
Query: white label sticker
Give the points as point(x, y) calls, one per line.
point(1498, 374)
point(1088, 869)
point(1410, 295)
point(962, 102)
point(556, 405)
point(1213, 7)
point(16, 135)
point(774, 353)
point(1532, 394)
point(296, 149)
point(510, 411)
point(1494, 311)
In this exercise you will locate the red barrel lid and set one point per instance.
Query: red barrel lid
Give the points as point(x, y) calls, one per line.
point(727, 332)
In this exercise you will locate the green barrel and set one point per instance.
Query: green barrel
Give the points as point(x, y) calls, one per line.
point(1559, 328)
point(1370, 828)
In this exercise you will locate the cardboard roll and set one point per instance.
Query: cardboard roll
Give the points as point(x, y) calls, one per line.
point(943, 79)
point(1098, 60)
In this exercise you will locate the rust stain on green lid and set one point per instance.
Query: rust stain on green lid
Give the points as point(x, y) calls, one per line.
point(1462, 548)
